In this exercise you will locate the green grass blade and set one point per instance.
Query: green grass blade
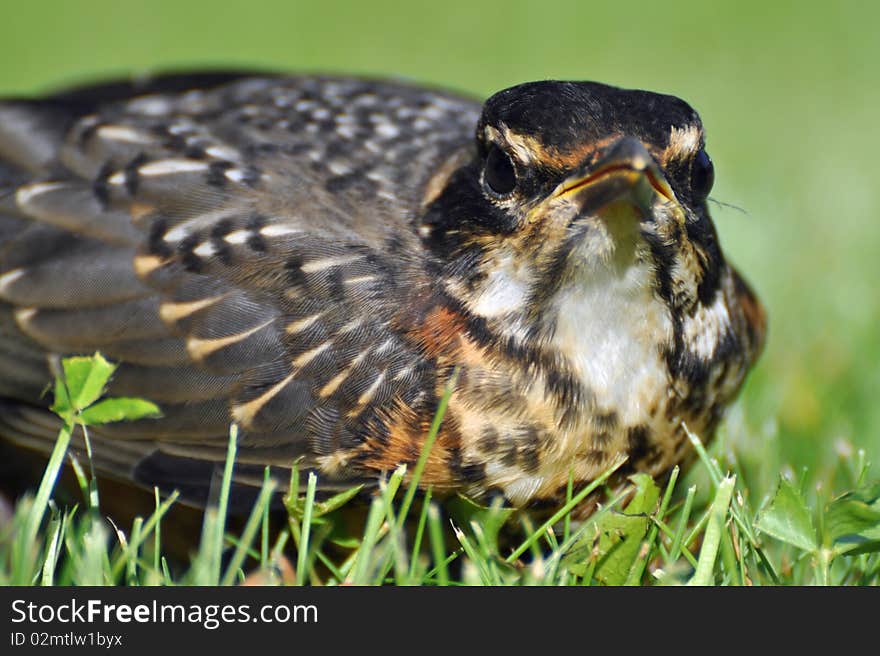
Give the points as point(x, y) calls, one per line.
point(153, 523)
point(638, 568)
point(303, 546)
point(53, 548)
point(477, 558)
point(249, 533)
point(426, 449)
point(27, 542)
point(207, 567)
point(712, 540)
point(559, 514)
point(157, 536)
point(264, 532)
point(360, 575)
point(683, 517)
point(136, 538)
point(417, 540)
point(438, 545)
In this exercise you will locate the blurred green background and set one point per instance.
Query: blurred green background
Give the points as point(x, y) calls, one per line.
point(789, 93)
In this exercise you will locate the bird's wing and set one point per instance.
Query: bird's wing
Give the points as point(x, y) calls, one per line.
point(243, 251)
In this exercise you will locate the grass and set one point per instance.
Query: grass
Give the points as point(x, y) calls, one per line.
point(703, 529)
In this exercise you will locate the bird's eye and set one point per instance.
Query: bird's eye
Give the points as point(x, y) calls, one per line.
point(702, 175)
point(499, 176)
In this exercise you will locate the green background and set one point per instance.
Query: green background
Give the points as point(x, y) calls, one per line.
point(788, 92)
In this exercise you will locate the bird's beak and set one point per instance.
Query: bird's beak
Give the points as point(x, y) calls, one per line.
point(625, 172)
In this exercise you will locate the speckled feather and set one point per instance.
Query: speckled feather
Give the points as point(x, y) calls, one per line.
point(311, 257)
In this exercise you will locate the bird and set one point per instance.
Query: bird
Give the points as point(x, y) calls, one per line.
point(322, 260)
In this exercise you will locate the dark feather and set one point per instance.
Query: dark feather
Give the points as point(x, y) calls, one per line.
point(185, 226)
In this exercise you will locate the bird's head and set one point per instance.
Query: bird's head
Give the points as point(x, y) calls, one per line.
point(577, 185)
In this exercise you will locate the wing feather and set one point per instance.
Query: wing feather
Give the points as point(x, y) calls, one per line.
point(225, 240)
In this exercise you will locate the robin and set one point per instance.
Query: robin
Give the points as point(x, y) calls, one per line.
point(316, 259)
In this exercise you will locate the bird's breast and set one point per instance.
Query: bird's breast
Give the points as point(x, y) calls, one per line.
point(613, 331)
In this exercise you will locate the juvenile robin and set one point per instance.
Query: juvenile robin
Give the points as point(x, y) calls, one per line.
point(312, 258)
